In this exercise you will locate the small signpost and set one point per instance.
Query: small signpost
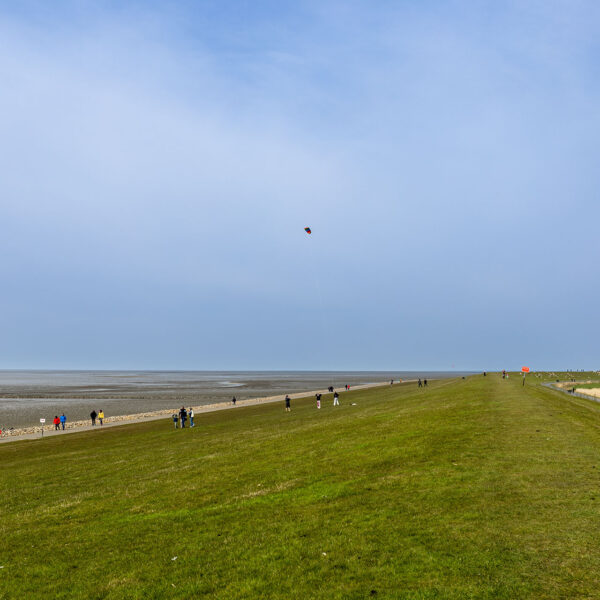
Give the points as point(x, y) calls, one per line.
point(524, 370)
point(42, 421)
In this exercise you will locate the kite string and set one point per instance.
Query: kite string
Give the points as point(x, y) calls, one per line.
point(324, 326)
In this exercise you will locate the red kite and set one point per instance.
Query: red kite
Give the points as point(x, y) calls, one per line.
point(307, 229)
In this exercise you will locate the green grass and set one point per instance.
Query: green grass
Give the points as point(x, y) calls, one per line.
point(476, 488)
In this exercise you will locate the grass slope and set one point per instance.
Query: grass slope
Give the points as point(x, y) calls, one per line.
point(476, 488)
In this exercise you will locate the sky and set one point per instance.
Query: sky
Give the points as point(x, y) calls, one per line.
point(160, 160)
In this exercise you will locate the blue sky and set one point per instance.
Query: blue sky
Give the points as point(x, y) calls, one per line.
point(159, 162)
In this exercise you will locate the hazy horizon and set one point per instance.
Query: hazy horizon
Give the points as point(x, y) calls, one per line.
point(159, 164)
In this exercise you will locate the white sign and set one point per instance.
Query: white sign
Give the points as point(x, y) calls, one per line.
point(42, 420)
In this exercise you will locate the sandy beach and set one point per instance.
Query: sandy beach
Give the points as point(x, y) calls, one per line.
point(594, 392)
point(48, 430)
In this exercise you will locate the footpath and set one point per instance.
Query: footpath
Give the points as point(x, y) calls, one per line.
point(35, 432)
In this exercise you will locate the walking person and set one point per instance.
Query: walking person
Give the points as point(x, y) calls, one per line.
point(175, 420)
point(233, 400)
point(318, 397)
point(101, 417)
point(183, 416)
point(336, 399)
point(63, 420)
point(56, 422)
point(420, 382)
point(191, 415)
point(288, 408)
point(93, 416)
point(424, 382)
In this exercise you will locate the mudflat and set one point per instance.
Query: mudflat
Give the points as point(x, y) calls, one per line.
point(27, 396)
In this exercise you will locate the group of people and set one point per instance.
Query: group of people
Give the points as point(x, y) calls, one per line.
point(180, 418)
point(59, 422)
point(97, 415)
point(422, 383)
point(318, 396)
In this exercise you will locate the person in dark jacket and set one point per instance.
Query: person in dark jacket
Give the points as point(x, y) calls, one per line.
point(183, 416)
point(288, 408)
point(93, 416)
point(175, 420)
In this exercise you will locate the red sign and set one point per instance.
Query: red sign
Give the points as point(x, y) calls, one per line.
point(525, 369)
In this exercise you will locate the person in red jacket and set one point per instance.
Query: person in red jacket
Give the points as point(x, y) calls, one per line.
point(56, 423)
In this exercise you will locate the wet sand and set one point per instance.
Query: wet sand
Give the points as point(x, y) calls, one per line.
point(48, 430)
point(25, 397)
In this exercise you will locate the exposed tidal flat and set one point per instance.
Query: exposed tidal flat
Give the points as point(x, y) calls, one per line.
point(27, 396)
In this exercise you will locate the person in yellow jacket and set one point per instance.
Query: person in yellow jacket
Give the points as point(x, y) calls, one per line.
point(101, 416)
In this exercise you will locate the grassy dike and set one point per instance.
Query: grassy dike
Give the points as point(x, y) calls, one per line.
point(476, 488)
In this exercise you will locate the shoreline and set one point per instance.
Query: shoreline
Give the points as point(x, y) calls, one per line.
point(35, 432)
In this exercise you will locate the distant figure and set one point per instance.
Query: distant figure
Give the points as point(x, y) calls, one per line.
point(101, 417)
point(63, 420)
point(233, 400)
point(392, 382)
point(93, 416)
point(330, 389)
point(175, 420)
point(503, 373)
point(318, 397)
point(346, 387)
point(288, 408)
point(484, 374)
point(191, 414)
point(56, 422)
point(420, 382)
point(183, 417)
point(336, 399)
point(425, 382)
